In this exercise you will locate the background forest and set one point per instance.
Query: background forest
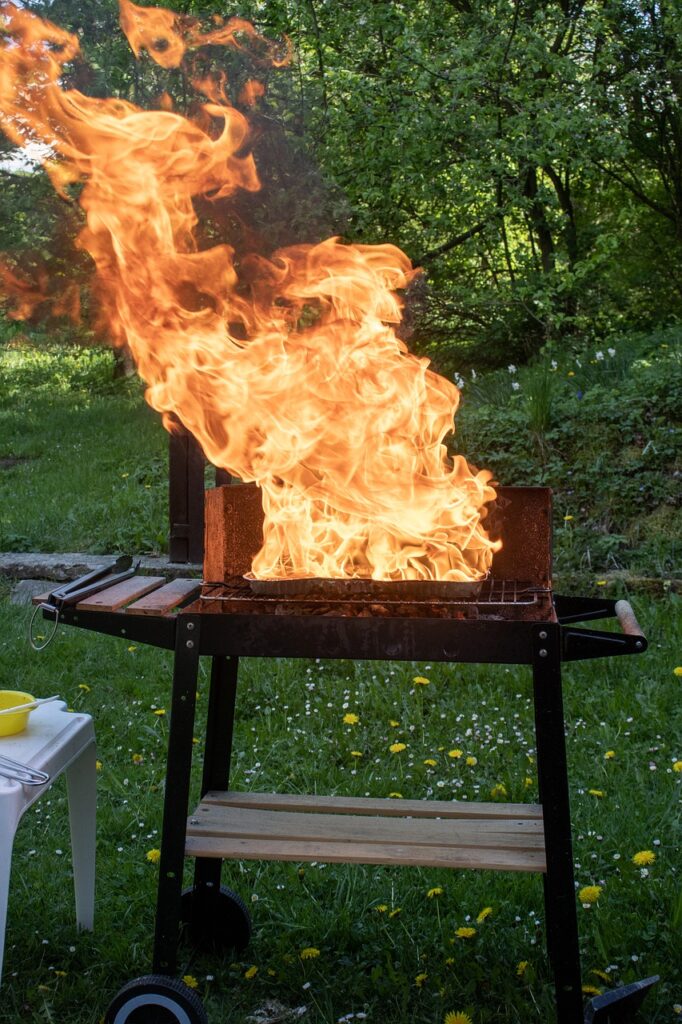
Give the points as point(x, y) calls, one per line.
point(527, 155)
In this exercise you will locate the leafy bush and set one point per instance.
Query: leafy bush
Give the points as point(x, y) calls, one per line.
point(602, 428)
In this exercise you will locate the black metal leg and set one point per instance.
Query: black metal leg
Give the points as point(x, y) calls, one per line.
point(176, 799)
point(217, 757)
point(560, 904)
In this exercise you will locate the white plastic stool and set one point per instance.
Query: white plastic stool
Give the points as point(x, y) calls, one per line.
point(54, 741)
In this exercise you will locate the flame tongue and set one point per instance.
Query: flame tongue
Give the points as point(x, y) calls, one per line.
point(286, 370)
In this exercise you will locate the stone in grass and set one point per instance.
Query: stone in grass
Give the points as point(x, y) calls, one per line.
point(272, 1012)
point(24, 591)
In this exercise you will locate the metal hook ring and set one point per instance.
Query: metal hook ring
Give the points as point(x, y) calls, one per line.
point(34, 645)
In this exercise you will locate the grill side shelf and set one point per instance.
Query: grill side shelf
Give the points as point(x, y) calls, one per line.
point(141, 608)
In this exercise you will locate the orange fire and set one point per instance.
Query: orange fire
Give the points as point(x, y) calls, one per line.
point(286, 369)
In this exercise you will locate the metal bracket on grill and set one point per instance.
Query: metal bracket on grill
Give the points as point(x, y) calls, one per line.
point(580, 644)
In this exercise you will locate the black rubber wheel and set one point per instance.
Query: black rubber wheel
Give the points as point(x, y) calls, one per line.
point(218, 919)
point(156, 999)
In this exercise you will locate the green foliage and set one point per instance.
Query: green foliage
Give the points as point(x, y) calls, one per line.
point(527, 154)
point(602, 428)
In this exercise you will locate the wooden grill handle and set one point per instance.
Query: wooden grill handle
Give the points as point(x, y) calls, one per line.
point(627, 620)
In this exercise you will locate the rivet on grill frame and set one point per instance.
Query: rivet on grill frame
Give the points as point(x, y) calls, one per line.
point(542, 652)
point(190, 625)
point(190, 644)
point(543, 635)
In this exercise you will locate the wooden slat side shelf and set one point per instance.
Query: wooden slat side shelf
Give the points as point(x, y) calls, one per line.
point(331, 829)
point(113, 598)
point(139, 595)
point(166, 599)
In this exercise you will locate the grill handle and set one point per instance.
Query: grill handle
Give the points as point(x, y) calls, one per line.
point(627, 620)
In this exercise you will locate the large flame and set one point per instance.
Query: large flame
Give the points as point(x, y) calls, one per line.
point(288, 370)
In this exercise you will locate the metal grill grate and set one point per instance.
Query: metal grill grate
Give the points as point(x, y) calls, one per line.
point(494, 593)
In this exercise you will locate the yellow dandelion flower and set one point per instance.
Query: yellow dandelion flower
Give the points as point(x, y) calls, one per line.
point(643, 858)
point(677, 766)
point(527, 781)
point(350, 719)
point(381, 908)
point(596, 792)
point(133, 647)
point(601, 583)
point(160, 711)
point(395, 795)
point(567, 519)
point(309, 953)
point(84, 687)
point(591, 990)
point(471, 760)
point(190, 981)
point(465, 933)
point(436, 891)
point(449, 960)
point(521, 968)
point(395, 748)
point(421, 681)
point(498, 790)
point(356, 753)
point(602, 975)
point(486, 912)
point(98, 766)
point(153, 856)
point(393, 724)
point(677, 671)
point(609, 755)
point(456, 753)
point(420, 979)
point(456, 1017)
point(571, 373)
point(251, 972)
point(430, 762)
point(395, 912)
point(137, 759)
point(589, 893)
point(60, 974)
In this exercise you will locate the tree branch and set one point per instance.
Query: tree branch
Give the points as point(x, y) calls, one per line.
point(642, 196)
point(451, 244)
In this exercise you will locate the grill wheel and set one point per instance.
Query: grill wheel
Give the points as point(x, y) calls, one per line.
point(156, 999)
point(216, 919)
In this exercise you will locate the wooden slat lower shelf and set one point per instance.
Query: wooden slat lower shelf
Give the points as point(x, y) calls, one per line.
point(317, 804)
point(385, 836)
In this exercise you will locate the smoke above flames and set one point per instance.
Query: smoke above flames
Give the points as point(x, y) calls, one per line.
point(287, 368)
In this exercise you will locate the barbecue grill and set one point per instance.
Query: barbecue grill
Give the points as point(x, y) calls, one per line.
point(512, 617)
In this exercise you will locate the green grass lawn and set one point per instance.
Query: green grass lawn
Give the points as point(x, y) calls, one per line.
point(85, 459)
point(377, 931)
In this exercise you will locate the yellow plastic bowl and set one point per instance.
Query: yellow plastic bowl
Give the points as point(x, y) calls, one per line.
point(9, 724)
